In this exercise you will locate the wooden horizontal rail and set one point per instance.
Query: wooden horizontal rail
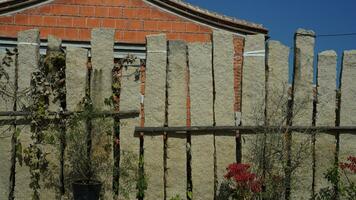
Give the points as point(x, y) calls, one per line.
point(25, 121)
point(231, 130)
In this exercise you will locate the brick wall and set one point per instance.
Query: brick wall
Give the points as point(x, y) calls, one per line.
point(74, 19)
point(132, 19)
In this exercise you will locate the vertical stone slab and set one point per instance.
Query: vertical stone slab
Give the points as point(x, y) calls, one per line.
point(155, 97)
point(76, 76)
point(223, 64)
point(327, 61)
point(130, 99)
point(102, 59)
point(277, 94)
point(201, 95)
point(303, 110)
point(6, 104)
point(348, 106)
point(102, 54)
point(177, 114)
point(253, 88)
point(28, 61)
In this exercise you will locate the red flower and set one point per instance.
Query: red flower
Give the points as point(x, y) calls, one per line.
point(349, 166)
point(243, 178)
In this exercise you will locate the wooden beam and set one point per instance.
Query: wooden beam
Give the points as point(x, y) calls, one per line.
point(244, 129)
point(25, 121)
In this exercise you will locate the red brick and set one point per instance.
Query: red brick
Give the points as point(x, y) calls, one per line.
point(44, 32)
point(115, 12)
point(71, 33)
point(121, 24)
point(129, 13)
point(191, 27)
point(45, 9)
point(59, 32)
point(65, 9)
point(93, 22)
point(79, 22)
point(50, 21)
point(84, 34)
point(143, 13)
point(150, 25)
point(135, 25)
point(173, 36)
point(22, 19)
point(65, 21)
point(101, 11)
point(164, 26)
point(204, 29)
point(137, 3)
point(108, 23)
point(35, 20)
point(179, 26)
point(130, 36)
point(87, 11)
point(6, 20)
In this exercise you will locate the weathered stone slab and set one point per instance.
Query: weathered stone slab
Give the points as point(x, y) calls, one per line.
point(303, 110)
point(303, 81)
point(348, 106)
point(223, 63)
point(177, 114)
point(28, 61)
point(102, 54)
point(277, 95)
point(102, 59)
point(253, 80)
point(6, 104)
point(155, 95)
point(253, 89)
point(201, 95)
point(130, 99)
point(327, 61)
point(76, 76)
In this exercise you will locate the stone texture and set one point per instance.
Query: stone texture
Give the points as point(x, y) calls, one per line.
point(277, 95)
point(253, 89)
point(177, 114)
point(6, 104)
point(76, 76)
point(348, 106)
point(102, 53)
point(155, 96)
point(130, 99)
point(327, 61)
point(201, 95)
point(28, 60)
point(303, 81)
point(253, 82)
point(223, 64)
point(303, 109)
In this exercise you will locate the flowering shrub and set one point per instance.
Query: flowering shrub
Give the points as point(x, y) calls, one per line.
point(351, 166)
point(240, 183)
point(346, 188)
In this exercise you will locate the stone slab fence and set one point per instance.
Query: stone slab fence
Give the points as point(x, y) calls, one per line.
point(192, 85)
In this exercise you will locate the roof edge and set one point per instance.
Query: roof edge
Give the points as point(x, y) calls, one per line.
point(175, 6)
point(208, 18)
point(9, 7)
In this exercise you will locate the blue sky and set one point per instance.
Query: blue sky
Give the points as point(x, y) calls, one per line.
point(283, 17)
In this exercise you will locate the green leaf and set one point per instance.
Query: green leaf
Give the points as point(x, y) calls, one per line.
point(19, 153)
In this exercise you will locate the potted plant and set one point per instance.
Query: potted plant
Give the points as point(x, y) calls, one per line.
point(88, 154)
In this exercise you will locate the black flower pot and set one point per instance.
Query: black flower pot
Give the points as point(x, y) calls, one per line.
point(86, 190)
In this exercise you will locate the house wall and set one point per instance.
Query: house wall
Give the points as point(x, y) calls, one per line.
point(74, 19)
